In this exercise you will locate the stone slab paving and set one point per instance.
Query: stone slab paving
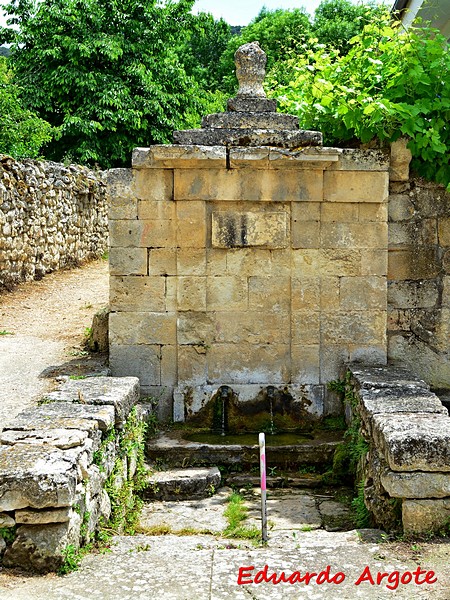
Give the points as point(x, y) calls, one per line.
point(202, 567)
point(208, 567)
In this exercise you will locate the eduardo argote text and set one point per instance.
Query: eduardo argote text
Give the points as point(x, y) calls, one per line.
point(391, 580)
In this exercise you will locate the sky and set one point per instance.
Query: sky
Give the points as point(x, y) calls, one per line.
point(241, 12)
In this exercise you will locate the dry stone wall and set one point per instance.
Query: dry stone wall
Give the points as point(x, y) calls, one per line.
point(51, 216)
point(406, 471)
point(64, 466)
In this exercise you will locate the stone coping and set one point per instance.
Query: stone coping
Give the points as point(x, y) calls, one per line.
point(408, 423)
point(195, 156)
point(50, 482)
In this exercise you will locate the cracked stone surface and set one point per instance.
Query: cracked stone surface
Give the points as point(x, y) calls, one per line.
point(206, 567)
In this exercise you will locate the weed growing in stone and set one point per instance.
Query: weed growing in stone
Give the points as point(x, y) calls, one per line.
point(361, 514)
point(122, 486)
point(8, 534)
point(236, 513)
point(4, 332)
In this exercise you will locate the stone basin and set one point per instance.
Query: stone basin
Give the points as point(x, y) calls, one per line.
point(174, 449)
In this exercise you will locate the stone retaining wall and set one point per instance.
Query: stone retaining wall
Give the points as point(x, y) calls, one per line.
point(419, 279)
point(406, 471)
point(51, 216)
point(57, 462)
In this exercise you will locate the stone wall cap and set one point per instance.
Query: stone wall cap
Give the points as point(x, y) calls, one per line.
point(120, 392)
point(179, 156)
point(278, 138)
point(414, 442)
point(385, 377)
point(36, 476)
point(63, 414)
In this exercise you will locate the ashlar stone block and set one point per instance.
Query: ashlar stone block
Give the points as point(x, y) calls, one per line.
point(150, 328)
point(154, 184)
point(227, 293)
point(355, 186)
point(136, 294)
point(191, 224)
point(191, 293)
point(128, 261)
point(269, 293)
point(268, 364)
point(237, 229)
point(361, 293)
point(139, 361)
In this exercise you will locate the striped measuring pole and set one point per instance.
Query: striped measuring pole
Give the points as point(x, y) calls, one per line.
point(262, 467)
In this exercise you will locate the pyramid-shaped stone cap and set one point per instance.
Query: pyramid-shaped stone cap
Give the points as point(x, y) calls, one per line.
point(251, 119)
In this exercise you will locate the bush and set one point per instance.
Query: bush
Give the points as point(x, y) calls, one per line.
point(391, 83)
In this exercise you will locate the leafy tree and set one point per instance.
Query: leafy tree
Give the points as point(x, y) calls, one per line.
point(203, 44)
point(391, 83)
point(336, 22)
point(278, 32)
point(22, 132)
point(104, 72)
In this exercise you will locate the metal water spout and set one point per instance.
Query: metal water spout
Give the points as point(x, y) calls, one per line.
point(270, 393)
point(220, 416)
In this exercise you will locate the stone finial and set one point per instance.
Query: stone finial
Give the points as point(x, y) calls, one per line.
point(250, 62)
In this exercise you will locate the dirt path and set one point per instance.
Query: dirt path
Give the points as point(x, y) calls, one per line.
point(42, 327)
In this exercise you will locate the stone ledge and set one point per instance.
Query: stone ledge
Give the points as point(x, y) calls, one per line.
point(120, 392)
point(284, 138)
point(179, 156)
point(50, 483)
point(408, 429)
point(183, 484)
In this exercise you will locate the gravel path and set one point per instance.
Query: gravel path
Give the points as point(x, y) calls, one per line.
point(42, 327)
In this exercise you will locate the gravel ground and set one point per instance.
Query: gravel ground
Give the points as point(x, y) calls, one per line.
point(42, 326)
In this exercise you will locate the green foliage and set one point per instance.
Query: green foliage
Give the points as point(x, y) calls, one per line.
point(201, 48)
point(236, 513)
point(22, 132)
point(391, 83)
point(336, 22)
point(71, 559)
point(361, 515)
point(8, 534)
point(104, 72)
point(121, 487)
point(348, 454)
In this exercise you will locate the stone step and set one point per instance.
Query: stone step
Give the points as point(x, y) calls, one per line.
point(182, 484)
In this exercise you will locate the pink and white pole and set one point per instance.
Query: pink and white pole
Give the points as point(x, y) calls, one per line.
point(262, 467)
